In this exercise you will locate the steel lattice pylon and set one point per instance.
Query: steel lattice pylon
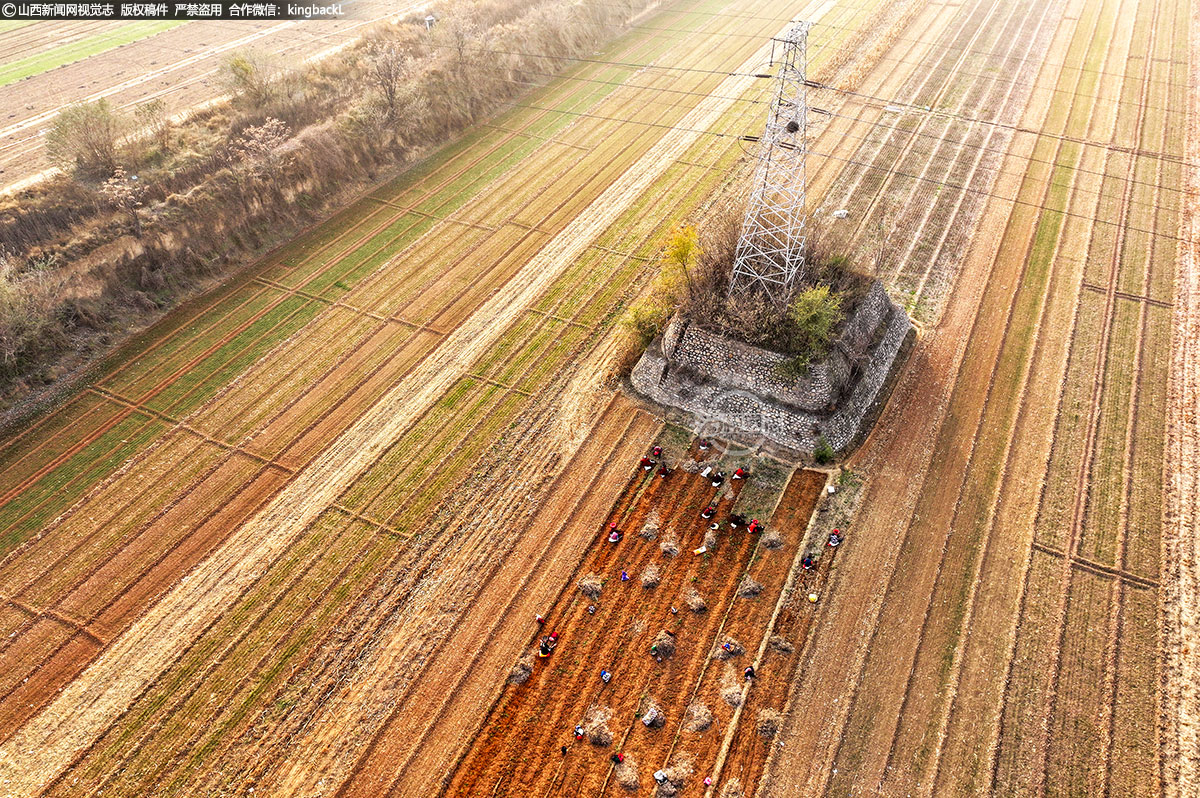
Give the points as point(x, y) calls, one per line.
point(770, 249)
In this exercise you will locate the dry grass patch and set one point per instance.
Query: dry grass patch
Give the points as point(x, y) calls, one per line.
point(682, 765)
point(731, 688)
point(591, 585)
point(670, 547)
point(769, 722)
point(772, 540)
point(749, 588)
point(698, 717)
point(521, 672)
point(651, 576)
point(664, 644)
point(626, 774)
point(781, 644)
point(732, 789)
point(595, 725)
point(695, 601)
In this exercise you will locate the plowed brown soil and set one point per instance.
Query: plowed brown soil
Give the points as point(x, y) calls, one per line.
point(518, 750)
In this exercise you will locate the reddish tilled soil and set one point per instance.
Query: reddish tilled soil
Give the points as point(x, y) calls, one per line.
point(518, 751)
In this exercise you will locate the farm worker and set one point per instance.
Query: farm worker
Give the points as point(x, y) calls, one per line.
point(656, 451)
point(541, 619)
point(624, 577)
point(664, 472)
point(718, 478)
point(726, 646)
point(704, 444)
point(806, 563)
point(654, 649)
point(739, 474)
point(754, 526)
point(709, 511)
point(736, 520)
point(646, 464)
point(605, 675)
point(708, 781)
point(714, 526)
point(749, 672)
point(578, 732)
point(564, 750)
point(617, 758)
point(835, 537)
point(613, 533)
point(674, 611)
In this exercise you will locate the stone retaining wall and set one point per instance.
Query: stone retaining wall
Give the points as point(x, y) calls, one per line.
point(731, 388)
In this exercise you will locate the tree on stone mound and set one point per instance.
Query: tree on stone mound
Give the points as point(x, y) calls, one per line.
point(682, 251)
point(806, 330)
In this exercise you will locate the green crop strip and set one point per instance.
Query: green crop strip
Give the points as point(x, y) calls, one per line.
point(38, 63)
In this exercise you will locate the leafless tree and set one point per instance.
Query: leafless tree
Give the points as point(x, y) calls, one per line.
point(26, 307)
point(387, 70)
point(261, 148)
point(153, 121)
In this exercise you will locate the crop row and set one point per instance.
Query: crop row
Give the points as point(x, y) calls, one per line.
point(186, 338)
point(1100, 628)
point(940, 552)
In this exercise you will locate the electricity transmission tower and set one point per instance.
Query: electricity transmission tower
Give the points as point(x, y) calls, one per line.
point(770, 251)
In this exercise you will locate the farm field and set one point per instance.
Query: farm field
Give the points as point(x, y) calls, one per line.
point(17, 66)
point(997, 627)
point(294, 537)
point(280, 501)
point(47, 66)
point(708, 711)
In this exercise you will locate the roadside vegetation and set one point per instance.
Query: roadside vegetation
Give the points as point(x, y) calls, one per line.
point(148, 209)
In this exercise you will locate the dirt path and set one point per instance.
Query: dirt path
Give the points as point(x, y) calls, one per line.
point(1180, 601)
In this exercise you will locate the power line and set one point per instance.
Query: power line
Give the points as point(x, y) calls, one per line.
point(869, 123)
point(896, 172)
point(883, 101)
point(1118, 101)
point(926, 42)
